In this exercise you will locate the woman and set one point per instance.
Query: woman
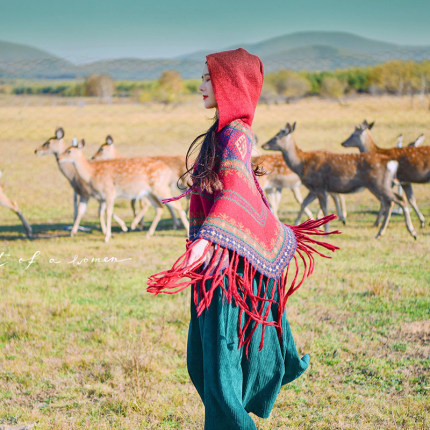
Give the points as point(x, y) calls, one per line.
point(240, 347)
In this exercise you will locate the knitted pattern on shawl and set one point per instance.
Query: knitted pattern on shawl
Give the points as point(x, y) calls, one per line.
point(237, 221)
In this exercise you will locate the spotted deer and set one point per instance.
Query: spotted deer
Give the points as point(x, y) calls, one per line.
point(132, 178)
point(13, 206)
point(108, 151)
point(418, 141)
point(323, 172)
point(278, 176)
point(414, 162)
point(81, 190)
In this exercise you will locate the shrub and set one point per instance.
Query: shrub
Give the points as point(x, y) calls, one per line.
point(332, 87)
point(102, 86)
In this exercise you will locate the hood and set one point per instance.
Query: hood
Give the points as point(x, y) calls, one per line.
point(237, 79)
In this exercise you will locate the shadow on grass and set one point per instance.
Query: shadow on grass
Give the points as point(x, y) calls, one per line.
point(57, 230)
point(40, 231)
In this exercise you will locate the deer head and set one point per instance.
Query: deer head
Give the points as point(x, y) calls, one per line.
point(73, 153)
point(359, 136)
point(281, 139)
point(54, 145)
point(107, 151)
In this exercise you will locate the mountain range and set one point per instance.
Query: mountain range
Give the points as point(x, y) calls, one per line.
point(311, 50)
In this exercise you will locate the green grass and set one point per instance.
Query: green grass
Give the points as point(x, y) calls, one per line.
point(84, 346)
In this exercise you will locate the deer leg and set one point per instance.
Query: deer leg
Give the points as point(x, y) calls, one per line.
point(175, 221)
point(142, 220)
point(27, 227)
point(102, 210)
point(307, 201)
point(13, 206)
point(120, 222)
point(158, 212)
point(82, 207)
point(271, 198)
point(278, 195)
point(379, 216)
point(133, 207)
point(407, 216)
point(75, 205)
point(338, 199)
point(182, 215)
point(322, 197)
point(342, 207)
point(299, 199)
point(139, 217)
point(386, 208)
point(411, 199)
point(109, 213)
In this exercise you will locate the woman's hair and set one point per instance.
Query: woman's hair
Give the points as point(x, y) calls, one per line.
point(203, 172)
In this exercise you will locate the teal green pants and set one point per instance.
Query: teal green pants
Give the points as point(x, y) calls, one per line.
point(229, 384)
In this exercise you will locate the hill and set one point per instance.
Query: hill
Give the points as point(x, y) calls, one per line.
point(312, 50)
point(319, 50)
point(23, 61)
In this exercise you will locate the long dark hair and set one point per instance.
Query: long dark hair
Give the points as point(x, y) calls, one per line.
point(203, 172)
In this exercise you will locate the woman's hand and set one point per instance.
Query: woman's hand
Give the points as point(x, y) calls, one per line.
point(197, 251)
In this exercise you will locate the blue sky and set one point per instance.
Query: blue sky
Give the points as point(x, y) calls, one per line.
point(85, 30)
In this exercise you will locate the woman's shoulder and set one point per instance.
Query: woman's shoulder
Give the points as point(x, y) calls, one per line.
point(236, 140)
point(236, 130)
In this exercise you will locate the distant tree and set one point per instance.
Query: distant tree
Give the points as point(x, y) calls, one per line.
point(102, 86)
point(397, 77)
point(6, 89)
point(357, 79)
point(287, 83)
point(296, 86)
point(192, 86)
point(314, 78)
point(424, 77)
point(332, 87)
point(171, 86)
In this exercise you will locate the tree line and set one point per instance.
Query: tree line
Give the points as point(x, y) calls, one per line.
point(393, 77)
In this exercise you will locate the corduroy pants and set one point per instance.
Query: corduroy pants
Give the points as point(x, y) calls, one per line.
point(230, 384)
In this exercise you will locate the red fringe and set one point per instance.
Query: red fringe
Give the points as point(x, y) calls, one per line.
point(172, 199)
point(256, 306)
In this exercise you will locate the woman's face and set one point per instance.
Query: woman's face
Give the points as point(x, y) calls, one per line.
point(209, 101)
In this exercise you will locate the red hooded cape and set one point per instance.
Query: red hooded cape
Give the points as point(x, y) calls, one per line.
point(237, 219)
point(237, 79)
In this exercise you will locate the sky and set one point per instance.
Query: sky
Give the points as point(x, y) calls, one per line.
point(86, 30)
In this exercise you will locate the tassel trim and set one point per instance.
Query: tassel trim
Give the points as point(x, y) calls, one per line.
point(255, 306)
point(173, 199)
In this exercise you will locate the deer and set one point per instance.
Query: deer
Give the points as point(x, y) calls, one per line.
point(56, 145)
point(277, 177)
point(323, 172)
point(13, 206)
point(133, 178)
point(414, 162)
point(418, 141)
point(108, 151)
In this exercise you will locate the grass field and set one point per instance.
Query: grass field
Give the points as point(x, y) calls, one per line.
point(83, 346)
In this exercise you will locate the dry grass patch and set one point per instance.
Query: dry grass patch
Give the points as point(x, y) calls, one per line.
point(84, 346)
